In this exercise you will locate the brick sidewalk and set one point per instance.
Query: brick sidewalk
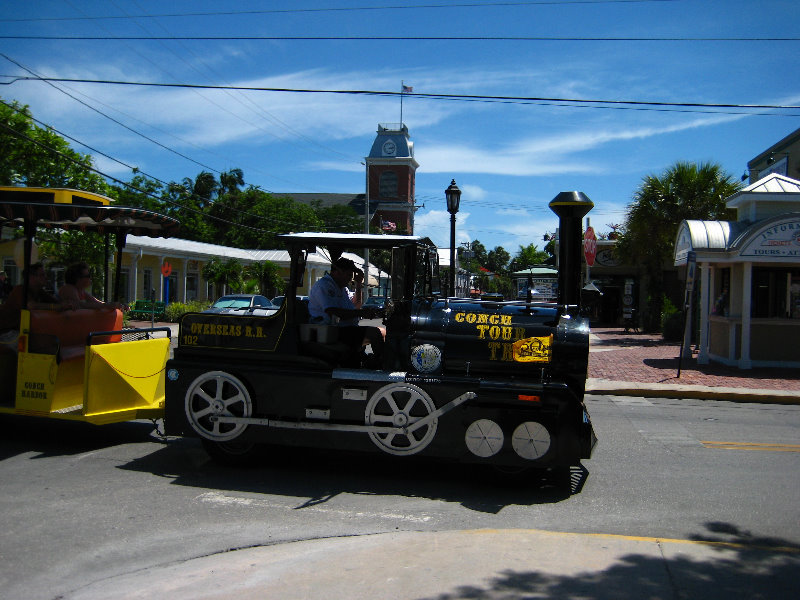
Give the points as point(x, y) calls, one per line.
point(645, 358)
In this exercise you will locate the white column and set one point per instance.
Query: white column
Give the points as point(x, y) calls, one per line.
point(706, 285)
point(747, 281)
point(185, 275)
point(135, 274)
point(161, 260)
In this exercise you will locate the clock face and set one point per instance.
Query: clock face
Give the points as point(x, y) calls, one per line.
point(389, 148)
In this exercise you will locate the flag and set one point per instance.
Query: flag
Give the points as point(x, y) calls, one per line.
point(407, 89)
point(388, 225)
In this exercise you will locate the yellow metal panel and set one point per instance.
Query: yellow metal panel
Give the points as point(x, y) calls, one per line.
point(69, 385)
point(124, 377)
point(36, 381)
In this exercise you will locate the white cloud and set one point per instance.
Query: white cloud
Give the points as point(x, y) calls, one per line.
point(435, 224)
point(472, 192)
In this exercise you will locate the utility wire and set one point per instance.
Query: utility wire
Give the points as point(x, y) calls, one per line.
point(460, 97)
point(342, 9)
point(35, 77)
point(395, 38)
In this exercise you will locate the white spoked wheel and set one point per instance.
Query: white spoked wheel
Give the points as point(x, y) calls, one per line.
point(401, 405)
point(484, 438)
point(530, 440)
point(217, 394)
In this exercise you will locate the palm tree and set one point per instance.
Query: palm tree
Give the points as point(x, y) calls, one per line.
point(202, 188)
point(229, 181)
point(683, 191)
point(267, 273)
point(226, 276)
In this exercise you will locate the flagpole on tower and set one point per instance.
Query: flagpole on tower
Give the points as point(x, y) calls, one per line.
point(402, 92)
point(404, 89)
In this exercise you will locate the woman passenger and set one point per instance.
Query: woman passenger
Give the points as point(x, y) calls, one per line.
point(75, 292)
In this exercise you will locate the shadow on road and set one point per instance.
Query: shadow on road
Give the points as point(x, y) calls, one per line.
point(316, 476)
point(313, 476)
point(52, 437)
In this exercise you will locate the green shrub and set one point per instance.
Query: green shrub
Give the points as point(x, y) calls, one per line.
point(175, 310)
point(671, 322)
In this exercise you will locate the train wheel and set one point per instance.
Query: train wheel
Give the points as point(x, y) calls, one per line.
point(401, 405)
point(217, 394)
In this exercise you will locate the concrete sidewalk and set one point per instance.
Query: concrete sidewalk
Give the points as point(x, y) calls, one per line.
point(510, 564)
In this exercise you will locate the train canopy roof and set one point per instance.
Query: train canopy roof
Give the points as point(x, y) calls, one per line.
point(74, 209)
point(354, 240)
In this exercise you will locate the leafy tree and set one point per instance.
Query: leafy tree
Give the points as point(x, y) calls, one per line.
point(39, 157)
point(497, 260)
point(258, 218)
point(479, 254)
point(267, 274)
point(684, 191)
point(225, 275)
point(190, 210)
point(202, 189)
point(229, 181)
point(528, 256)
point(478, 259)
point(143, 192)
point(339, 218)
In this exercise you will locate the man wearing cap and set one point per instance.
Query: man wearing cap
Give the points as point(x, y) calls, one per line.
point(329, 303)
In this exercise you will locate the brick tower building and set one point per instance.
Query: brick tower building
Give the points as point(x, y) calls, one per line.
point(391, 169)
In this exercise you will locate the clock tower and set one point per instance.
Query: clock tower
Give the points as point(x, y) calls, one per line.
point(391, 170)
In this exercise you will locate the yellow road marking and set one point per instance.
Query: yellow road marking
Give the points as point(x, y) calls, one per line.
point(751, 446)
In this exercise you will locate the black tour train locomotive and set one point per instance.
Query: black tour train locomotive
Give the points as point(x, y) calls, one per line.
point(476, 381)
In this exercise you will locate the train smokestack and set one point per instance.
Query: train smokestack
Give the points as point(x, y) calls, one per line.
point(570, 207)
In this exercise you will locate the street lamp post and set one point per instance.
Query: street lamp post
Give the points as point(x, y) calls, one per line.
point(453, 196)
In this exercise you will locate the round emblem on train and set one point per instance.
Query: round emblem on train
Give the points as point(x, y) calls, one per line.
point(426, 358)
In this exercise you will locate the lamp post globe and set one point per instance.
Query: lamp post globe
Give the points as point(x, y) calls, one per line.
point(453, 196)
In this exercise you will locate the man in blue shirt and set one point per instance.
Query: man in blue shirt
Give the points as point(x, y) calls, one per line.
point(329, 303)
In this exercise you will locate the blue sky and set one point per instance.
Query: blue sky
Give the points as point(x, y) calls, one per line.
point(509, 158)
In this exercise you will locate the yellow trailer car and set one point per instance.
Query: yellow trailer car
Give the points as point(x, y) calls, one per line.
point(80, 364)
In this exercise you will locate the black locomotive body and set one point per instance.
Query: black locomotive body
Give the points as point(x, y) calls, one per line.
point(478, 381)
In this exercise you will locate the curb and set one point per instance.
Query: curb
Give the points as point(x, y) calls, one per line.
point(605, 387)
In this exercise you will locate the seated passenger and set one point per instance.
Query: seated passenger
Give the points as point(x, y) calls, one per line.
point(38, 299)
point(329, 303)
point(74, 292)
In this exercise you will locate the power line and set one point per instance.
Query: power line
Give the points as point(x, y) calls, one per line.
point(101, 113)
point(460, 97)
point(110, 118)
point(395, 38)
point(341, 9)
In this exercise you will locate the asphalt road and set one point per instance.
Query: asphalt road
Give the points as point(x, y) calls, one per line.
point(83, 505)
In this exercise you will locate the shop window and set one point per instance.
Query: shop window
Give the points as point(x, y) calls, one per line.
point(722, 286)
point(171, 287)
point(124, 286)
point(147, 284)
point(191, 286)
point(772, 292)
point(794, 295)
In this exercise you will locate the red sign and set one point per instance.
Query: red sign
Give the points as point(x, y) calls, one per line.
point(166, 269)
point(589, 246)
